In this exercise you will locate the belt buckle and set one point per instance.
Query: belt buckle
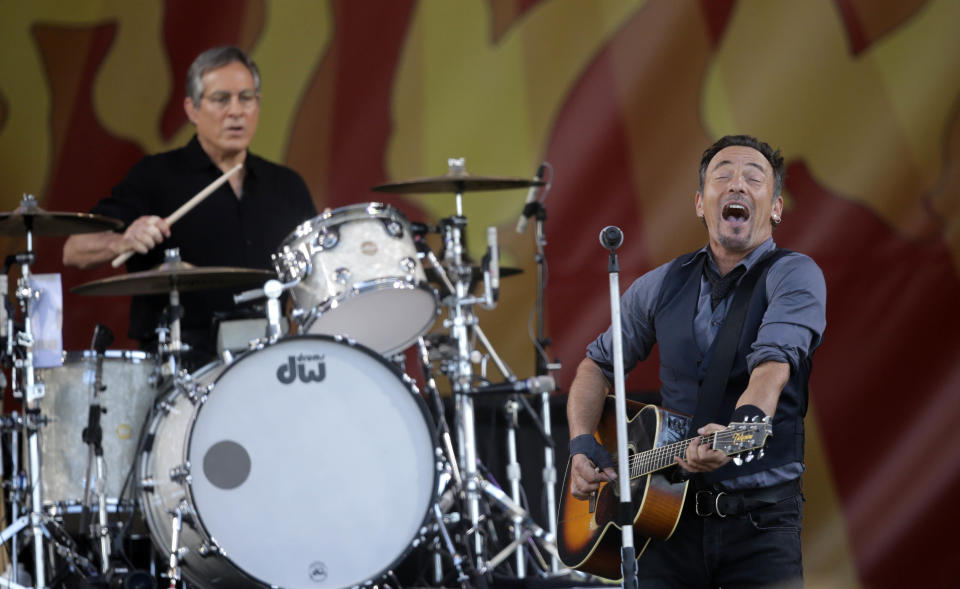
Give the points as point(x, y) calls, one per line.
point(697, 503)
point(711, 508)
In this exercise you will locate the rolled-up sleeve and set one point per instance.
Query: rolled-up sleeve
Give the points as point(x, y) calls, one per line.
point(637, 306)
point(795, 319)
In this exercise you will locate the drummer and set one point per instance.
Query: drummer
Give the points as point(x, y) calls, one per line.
point(239, 225)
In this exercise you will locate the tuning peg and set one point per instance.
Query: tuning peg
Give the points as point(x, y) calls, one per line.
point(738, 460)
point(760, 454)
point(749, 456)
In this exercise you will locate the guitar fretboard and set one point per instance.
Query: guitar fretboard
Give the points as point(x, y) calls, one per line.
point(655, 459)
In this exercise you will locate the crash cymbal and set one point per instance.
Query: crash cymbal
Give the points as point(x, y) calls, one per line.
point(456, 184)
point(40, 222)
point(186, 277)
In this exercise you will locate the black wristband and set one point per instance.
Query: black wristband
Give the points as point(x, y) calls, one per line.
point(588, 445)
point(747, 413)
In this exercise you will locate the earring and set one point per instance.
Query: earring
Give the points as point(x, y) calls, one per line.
point(776, 220)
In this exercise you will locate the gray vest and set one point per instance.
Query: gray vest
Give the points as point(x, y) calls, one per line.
point(683, 367)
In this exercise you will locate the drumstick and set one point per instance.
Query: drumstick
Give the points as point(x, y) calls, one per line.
point(184, 208)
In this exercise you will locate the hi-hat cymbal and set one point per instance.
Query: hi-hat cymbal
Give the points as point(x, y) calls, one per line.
point(181, 275)
point(456, 184)
point(40, 222)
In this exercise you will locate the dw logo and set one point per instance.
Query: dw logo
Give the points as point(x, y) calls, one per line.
point(317, 572)
point(301, 367)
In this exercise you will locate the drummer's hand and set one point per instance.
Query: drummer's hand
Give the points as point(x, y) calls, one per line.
point(144, 234)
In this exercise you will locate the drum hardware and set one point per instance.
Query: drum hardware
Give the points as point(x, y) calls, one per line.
point(172, 277)
point(534, 207)
point(29, 219)
point(271, 290)
point(93, 436)
point(23, 221)
point(464, 331)
point(457, 181)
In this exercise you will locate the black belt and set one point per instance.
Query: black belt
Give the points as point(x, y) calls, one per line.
point(717, 503)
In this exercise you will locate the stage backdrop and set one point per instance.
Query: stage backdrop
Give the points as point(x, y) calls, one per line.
point(620, 97)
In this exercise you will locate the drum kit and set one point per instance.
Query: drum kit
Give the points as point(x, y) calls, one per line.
point(308, 460)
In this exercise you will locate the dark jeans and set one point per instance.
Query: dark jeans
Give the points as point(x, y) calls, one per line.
point(760, 548)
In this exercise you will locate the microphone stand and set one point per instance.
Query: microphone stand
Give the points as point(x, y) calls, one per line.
point(538, 211)
point(93, 436)
point(544, 367)
point(611, 238)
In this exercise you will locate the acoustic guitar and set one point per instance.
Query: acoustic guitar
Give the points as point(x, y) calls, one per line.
point(588, 536)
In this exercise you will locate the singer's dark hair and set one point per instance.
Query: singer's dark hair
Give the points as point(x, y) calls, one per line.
point(773, 156)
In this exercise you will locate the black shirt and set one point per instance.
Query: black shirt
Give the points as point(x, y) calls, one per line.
point(221, 231)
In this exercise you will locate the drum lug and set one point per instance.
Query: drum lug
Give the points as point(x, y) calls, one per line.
point(408, 265)
point(327, 239)
point(148, 484)
point(210, 548)
point(341, 276)
point(165, 406)
point(181, 473)
point(393, 228)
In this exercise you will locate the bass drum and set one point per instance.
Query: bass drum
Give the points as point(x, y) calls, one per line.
point(307, 463)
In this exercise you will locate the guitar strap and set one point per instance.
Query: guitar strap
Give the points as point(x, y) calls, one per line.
point(727, 343)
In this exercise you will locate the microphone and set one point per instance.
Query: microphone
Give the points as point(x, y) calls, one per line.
point(102, 338)
point(611, 237)
point(534, 385)
point(531, 196)
point(494, 250)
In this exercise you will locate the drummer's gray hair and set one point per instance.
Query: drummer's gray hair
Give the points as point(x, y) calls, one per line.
point(212, 59)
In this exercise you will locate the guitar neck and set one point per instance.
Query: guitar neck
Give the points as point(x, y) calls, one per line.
point(735, 439)
point(644, 463)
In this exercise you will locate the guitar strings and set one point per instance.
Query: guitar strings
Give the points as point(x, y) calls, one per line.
point(662, 457)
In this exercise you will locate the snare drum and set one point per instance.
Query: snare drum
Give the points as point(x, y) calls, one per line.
point(307, 463)
point(359, 275)
point(129, 380)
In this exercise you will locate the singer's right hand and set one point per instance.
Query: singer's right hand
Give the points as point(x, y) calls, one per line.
point(143, 235)
point(586, 477)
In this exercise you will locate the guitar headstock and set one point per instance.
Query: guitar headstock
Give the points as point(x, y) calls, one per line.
point(744, 436)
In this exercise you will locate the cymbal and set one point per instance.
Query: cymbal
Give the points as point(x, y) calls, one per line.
point(456, 184)
point(186, 277)
point(42, 222)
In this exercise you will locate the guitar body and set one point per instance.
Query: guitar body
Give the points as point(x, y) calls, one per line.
point(590, 541)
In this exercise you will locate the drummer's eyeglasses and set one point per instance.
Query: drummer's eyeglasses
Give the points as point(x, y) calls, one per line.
point(221, 100)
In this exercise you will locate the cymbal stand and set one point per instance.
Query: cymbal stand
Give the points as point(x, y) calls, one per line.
point(462, 323)
point(16, 487)
point(17, 482)
point(169, 340)
point(461, 373)
point(543, 367)
point(31, 393)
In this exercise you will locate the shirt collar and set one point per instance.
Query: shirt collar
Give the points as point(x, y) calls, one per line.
point(198, 159)
point(747, 262)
